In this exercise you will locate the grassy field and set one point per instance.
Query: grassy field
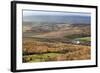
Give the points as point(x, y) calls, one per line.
point(85, 39)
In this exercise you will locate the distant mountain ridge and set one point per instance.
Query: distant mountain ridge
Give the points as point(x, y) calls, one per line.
point(57, 19)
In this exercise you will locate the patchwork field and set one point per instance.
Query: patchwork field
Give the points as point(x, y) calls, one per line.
point(59, 42)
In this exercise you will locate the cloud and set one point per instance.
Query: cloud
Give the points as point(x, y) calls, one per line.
point(56, 17)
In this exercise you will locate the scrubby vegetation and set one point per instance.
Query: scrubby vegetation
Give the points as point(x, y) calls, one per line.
point(36, 51)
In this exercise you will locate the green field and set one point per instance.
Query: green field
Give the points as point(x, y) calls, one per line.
point(40, 57)
point(85, 39)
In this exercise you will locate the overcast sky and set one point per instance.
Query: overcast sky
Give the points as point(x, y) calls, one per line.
point(56, 17)
point(30, 12)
